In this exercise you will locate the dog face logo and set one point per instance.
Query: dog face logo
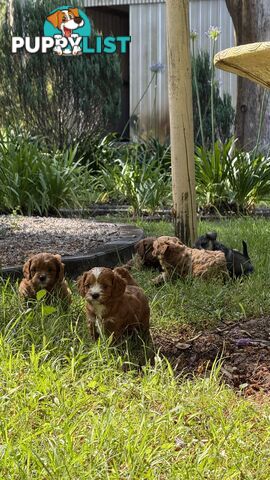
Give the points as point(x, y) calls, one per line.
point(67, 25)
point(66, 20)
point(67, 31)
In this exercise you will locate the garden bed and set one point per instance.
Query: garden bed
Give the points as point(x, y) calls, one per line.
point(114, 209)
point(82, 243)
point(243, 347)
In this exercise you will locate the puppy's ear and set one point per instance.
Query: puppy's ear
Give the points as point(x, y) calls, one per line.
point(119, 286)
point(60, 268)
point(55, 19)
point(160, 249)
point(80, 283)
point(245, 249)
point(139, 248)
point(27, 270)
point(211, 236)
point(75, 11)
point(124, 273)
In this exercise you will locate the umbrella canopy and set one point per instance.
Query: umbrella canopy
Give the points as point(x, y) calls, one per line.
point(251, 61)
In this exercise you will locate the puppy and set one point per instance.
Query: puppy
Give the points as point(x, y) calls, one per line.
point(44, 271)
point(67, 21)
point(124, 273)
point(144, 255)
point(114, 303)
point(178, 260)
point(238, 263)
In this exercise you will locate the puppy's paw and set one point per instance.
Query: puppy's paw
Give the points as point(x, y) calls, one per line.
point(26, 290)
point(159, 280)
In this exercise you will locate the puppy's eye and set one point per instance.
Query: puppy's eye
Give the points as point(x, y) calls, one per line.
point(50, 270)
point(33, 270)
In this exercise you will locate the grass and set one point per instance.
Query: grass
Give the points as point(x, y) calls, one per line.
point(71, 409)
point(204, 304)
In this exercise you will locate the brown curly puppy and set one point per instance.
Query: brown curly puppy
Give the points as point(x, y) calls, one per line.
point(113, 306)
point(179, 260)
point(44, 271)
point(144, 255)
point(124, 273)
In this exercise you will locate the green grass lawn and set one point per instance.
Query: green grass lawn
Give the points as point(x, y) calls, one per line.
point(71, 409)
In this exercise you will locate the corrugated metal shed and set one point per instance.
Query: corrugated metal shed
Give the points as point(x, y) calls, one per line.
point(148, 47)
point(147, 25)
point(109, 3)
point(206, 13)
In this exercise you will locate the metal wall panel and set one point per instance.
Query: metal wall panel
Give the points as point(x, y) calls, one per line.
point(148, 47)
point(206, 13)
point(109, 3)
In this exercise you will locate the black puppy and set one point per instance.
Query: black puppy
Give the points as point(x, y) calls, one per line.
point(238, 263)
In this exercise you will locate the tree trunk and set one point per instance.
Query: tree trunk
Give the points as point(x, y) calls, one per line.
point(181, 120)
point(10, 11)
point(251, 19)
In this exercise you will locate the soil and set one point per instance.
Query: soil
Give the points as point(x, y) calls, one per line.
point(244, 350)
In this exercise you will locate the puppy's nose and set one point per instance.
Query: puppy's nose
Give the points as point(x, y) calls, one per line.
point(95, 295)
point(77, 20)
point(42, 278)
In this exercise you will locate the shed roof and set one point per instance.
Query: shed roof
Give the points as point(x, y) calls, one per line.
point(108, 3)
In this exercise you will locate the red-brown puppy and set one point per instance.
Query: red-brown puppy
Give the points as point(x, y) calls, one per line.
point(44, 271)
point(124, 273)
point(112, 304)
point(179, 260)
point(144, 255)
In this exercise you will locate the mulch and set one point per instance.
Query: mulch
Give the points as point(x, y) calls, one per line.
point(243, 348)
point(21, 237)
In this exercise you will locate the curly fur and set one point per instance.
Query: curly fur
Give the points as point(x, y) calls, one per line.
point(179, 260)
point(44, 271)
point(238, 263)
point(114, 302)
point(144, 255)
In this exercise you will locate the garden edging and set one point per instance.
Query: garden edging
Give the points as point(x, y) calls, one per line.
point(109, 255)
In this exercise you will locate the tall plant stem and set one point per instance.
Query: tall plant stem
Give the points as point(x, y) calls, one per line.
point(197, 94)
point(261, 118)
point(212, 95)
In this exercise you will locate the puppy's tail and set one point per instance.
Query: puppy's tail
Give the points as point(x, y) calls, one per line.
point(245, 250)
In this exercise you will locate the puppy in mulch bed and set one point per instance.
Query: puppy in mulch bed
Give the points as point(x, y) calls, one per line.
point(238, 263)
point(144, 255)
point(115, 304)
point(45, 271)
point(178, 260)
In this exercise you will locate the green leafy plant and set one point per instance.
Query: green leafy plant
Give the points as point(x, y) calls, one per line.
point(34, 180)
point(205, 94)
point(139, 176)
point(227, 179)
point(249, 178)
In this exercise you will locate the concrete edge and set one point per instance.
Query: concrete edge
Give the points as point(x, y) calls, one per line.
point(110, 255)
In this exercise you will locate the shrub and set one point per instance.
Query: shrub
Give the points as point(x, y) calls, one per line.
point(224, 112)
point(139, 175)
point(64, 98)
point(34, 180)
point(227, 179)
